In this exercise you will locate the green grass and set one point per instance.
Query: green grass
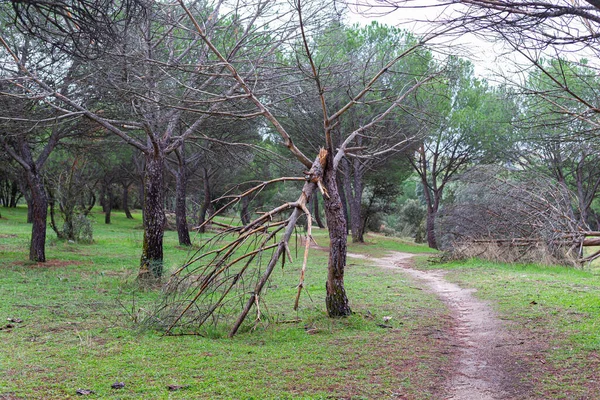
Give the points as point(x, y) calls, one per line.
point(557, 307)
point(77, 330)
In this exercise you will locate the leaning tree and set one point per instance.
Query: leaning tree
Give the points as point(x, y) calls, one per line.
point(226, 272)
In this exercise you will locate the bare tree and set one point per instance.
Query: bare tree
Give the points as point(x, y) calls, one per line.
point(513, 216)
point(30, 128)
point(218, 272)
point(158, 85)
point(557, 136)
point(467, 122)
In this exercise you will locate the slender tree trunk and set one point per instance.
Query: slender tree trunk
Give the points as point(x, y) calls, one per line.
point(39, 206)
point(244, 213)
point(430, 228)
point(126, 201)
point(52, 203)
point(335, 300)
point(108, 203)
point(354, 192)
point(356, 219)
point(431, 199)
point(87, 208)
point(68, 215)
point(151, 263)
point(183, 232)
point(14, 198)
point(206, 202)
point(316, 212)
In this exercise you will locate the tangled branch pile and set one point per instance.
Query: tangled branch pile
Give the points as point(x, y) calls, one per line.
point(513, 216)
point(230, 271)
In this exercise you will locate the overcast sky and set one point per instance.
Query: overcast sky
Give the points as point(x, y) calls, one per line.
point(490, 58)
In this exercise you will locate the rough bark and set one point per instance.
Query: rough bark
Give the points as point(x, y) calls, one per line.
point(183, 232)
point(335, 300)
point(151, 263)
point(39, 206)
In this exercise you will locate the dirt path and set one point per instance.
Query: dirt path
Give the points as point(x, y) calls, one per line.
point(485, 365)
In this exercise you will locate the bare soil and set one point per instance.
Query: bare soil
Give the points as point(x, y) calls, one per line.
point(488, 362)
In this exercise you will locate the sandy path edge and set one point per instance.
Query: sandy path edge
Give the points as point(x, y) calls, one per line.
point(484, 366)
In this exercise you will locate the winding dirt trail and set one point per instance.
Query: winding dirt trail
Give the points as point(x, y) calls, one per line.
point(485, 366)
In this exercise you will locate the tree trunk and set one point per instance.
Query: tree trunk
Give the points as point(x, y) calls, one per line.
point(126, 201)
point(316, 212)
point(430, 228)
point(244, 213)
point(151, 263)
point(206, 202)
point(356, 220)
point(87, 209)
point(335, 300)
point(39, 213)
point(52, 202)
point(181, 208)
point(14, 197)
point(353, 186)
point(108, 203)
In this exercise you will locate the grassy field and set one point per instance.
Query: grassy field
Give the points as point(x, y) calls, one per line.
point(77, 329)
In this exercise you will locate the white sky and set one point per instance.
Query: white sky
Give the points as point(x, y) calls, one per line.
point(489, 58)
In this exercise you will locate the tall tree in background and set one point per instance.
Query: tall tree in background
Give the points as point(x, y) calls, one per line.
point(535, 30)
point(157, 85)
point(30, 128)
point(558, 138)
point(467, 119)
point(349, 56)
